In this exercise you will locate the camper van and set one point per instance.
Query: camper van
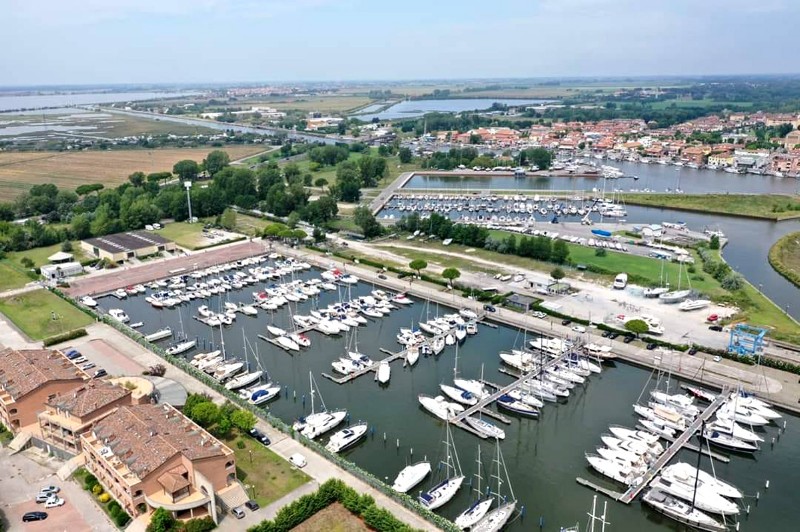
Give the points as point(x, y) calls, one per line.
point(621, 281)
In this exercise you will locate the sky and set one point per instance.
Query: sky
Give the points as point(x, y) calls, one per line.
point(47, 42)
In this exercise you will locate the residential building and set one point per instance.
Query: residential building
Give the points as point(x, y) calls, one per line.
point(152, 456)
point(28, 379)
point(721, 160)
point(792, 140)
point(68, 415)
point(786, 163)
point(120, 247)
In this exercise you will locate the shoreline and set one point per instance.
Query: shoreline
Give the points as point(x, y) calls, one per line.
point(777, 264)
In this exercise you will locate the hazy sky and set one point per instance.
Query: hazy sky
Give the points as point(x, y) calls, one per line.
point(121, 41)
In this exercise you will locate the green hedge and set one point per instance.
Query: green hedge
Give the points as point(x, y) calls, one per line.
point(332, 491)
point(64, 337)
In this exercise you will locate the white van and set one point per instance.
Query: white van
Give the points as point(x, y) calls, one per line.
point(621, 281)
point(298, 460)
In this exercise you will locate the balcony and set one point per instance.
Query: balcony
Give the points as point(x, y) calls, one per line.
point(160, 499)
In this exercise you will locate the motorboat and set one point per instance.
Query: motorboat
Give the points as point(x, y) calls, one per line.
point(624, 473)
point(439, 407)
point(472, 328)
point(621, 455)
point(199, 357)
point(412, 355)
point(682, 403)
point(489, 429)
point(209, 362)
point(160, 334)
point(362, 359)
point(681, 512)
point(328, 327)
point(625, 433)
point(119, 315)
point(300, 339)
point(136, 325)
point(468, 314)
point(507, 402)
point(437, 345)
point(88, 301)
point(345, 366)
point(384, 372)
point(638, 447)
point(665, 417)
point(228, 370)
point(410, 476)
point(346, 438)
point(658, 427)
point(204, 311)
point(449, 339)
point(120, 293)
point(243, 380)
point(688, 472)
point(742, 415)
point(727, 441)
point(693, 304)
point(704, 498)
point(402, 299)
point(699, 393)
point(181, 347)
point(458, 395)
point(655, 292)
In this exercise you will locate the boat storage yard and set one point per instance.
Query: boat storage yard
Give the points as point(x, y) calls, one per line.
point(396, 381)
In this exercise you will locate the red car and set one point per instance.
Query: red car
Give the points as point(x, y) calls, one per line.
point(712, 318)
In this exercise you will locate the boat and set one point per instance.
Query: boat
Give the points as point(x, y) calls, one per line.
point(655, 292)
point(119, 315)
point(275, 331)
point(624, 473)
point(88, 301)
point(727, 441)
point(468, 314)
point(410, 476)
point(444, 491)
point(699, 393)
point(704, 498)
point(625, 433)
point(732, 428)
point(497, 518)
point(346, 438)
point(688, 472)
point(243, 380)
point(681, 512)
point(743, 415)
point(478, 509)
point(693, 304)
point(507, 402)
point(402, 299)
point(440, 408)
point(384, 372)
point(345, 366)
point(263, 393)
point(475, 387)
point(120, 293)
point(636, 446)
point(227, 370)
point(287, 343)
point(136, 325)
point(458, 395)
point(484, 427)
point(318, 423)
point(526, 397)
point(412, 355)
point(160, 334)
point(674, 296)
point(657, 427)
point(593, 517)
point(181, 347)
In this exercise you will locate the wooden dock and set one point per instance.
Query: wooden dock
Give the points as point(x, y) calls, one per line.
point(692, 447)
point(600, 489)
point(363, 371)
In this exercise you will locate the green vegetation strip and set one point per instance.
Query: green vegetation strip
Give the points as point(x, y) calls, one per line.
point(784, 257)
point(40, 314)
point(766, 206)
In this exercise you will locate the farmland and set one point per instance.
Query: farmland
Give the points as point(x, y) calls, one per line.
point(67, 170)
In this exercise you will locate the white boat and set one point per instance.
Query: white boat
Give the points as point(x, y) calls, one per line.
point(727, 441)
point(410, 476)
point(693, 304)
point(227, 370)
point(287, 343)
point(704, 498)
point(636, 446)
point(136, 325)
point(674, 296)
point(444, 491)
point(328, 327)
point(263, 393)
point(468, 314)
point(461, 333)
point(489, 429)
point(181, 347)
point(657, 427)
point(120, 293)
point(458, 395)
point(204, 311)
point(384, 372)
point(346, 438)
point(742, 415)
point(318, 423)
point(243, 380)
point(475, 387)
point(688, 472)
point(621, 472)
point(496, 519)
point(655, 292)
point(478, 509)
point(275, 331)
point(402, 299)
point(440, 408)
point(209, 362)
point(526, 397)
point(88, 301)
point(518, 407)
point(345, 366)
point(449, 339)
point(119, 315)
point(625, 433)
point(412, 355)
point(437, 345)
point(160, 334)
point(681, 512)
point(300, 339)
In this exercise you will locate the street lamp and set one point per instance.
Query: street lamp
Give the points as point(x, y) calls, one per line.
point(188, 186)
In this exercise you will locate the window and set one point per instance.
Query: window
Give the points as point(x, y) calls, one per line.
point(137, 493)
point(12, 411)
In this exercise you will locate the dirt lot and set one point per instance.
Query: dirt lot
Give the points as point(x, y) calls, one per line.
point(19, 171)
point(334, 518)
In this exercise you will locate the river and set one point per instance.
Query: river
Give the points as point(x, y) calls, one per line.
point(415, 108)
point(543, 456)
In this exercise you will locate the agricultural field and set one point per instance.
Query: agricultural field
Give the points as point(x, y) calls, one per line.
point(67, 170)
point(323, 104)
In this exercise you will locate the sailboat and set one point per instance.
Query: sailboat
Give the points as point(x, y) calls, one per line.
point(592, 519)
point(318, 423)
point(458, 395)
point(478, 509)
point(506, 505)
point(245, 379)
point(676, 295)
point(445, 490)
point(182, 346)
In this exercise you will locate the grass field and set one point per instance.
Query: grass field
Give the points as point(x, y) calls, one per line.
point(768, 206)
point(39, 255)
point(270, 476)
point(186, 235)
point(67, 170)
point(33, 313)
point(250, 225)
point(784, 257)
point(12, 276)
point(334, 518)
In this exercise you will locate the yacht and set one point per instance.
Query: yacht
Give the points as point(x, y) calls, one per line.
point(458, 395)
point(704, 498)
point(228, 370)
point(263, 393)
point(687, 472)
point(384, 372)
point(346, 438)
point(181, 347)
point(694, 304)
point(88, 301)
point(318, 423)
point(475, 387)
point(444, 491)
point(489, 429)
point(440, 408)
point(119, 315)
point(681, 512)
point(410, 476)
point(623, 473)
point(243, 380)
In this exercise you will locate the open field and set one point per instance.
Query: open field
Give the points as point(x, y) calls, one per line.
point(270, 476)
point(186, 235)
point(664, 104)
point(67, 170)
point(768, 206)
point(334, 518)
point(33, 313)
point(39, 255)
point(784, 257)
point(11, 276)
point(323, 104)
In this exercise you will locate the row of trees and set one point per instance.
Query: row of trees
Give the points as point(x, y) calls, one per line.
point(219, 420)
point(443, 228)
point(537, 247)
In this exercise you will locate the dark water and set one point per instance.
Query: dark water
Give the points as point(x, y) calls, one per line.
point(543, 457)
point(413, 108)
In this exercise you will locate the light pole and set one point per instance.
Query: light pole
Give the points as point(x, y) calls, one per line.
point(188, 186)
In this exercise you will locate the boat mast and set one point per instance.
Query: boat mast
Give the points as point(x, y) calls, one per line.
point(699, 455)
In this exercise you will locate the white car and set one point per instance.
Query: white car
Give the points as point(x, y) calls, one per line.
point(54, 502)
point(298, 460)
point(579, 328)
point(539, 314)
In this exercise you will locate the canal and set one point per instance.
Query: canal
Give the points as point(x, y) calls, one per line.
point(543, 456)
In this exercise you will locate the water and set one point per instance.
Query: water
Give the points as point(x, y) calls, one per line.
point(543, 457)
point(38, 101)
point(414, 108)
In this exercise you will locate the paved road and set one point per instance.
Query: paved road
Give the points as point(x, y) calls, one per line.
point(388, 192)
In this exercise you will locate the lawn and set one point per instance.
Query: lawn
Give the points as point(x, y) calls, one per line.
point(33, 313)
point(784, 256)
point(270, 476)
point(769, 206)
point(11, 276)
point(67, 170)
point(250, 225)
point(39, 255)
point(186, 235)
point(334, 518)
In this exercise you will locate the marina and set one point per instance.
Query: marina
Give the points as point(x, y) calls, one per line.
point(539, 451)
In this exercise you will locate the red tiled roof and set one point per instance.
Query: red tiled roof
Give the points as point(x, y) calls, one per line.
point(24, 370)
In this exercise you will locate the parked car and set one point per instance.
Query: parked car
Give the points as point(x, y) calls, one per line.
point(717, 328)
point(613, 335)
point(100, 373)
point(44, 496)
point(489, 308)
point(298, 460)
point(49, 489)
point(579, 328)
point(54, 502)
point(381, 276)
point(79, 360)
point(539, 314)
point(34, 516)
point(566, 321)
point(252, 505)
point(651, 346)
point(606, 334)
point(712, 318)
point(237, 512)
point(629, 338)
point(260, 436)
point(88, 365)
point(692, 350)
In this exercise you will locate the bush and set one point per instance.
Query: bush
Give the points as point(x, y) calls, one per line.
point(240, 443)
point(600, 252)
point(89, 482)
point(104, 498)
point(97, 489)
point(114, 508)
point(122, 519)
point(199, 525)
point(63, 337)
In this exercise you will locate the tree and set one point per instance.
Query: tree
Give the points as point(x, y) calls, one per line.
point(557, 274)
point(405, 155)
point(83, 190)
point(137, 179)
point(205, 414)
point(320, 182)
point(364, 218)
point(600, 252)
point(186, 170)
point(451, 274)
point(540, 157)
point(244, 420)
point(215, 161)
point(66, 246)
point(161, 521)
point(418, 265)
point(291, 171)
point(228, 219)
point(713, 243)
point(292, 219)
point(318, 234)
point(81, 226)
point(560, 252)
point(637, 327)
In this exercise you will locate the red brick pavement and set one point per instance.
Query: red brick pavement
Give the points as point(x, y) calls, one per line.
point(149, 271)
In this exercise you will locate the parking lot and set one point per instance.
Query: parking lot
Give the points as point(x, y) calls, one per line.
point(21, 476)
point(103, 355)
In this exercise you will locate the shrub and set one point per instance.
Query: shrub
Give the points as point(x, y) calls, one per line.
point(97, 489)
point(114, 508)
point(63, 337)
point(89, 482)
point(199, 525)
point(600, 252)
point(104, 498)
point(26, 262)
point(240, 443)
point(122, 519)
point(691, 269)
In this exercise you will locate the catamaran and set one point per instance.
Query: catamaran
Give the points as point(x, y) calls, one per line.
point(318, 423)
point(445, 490)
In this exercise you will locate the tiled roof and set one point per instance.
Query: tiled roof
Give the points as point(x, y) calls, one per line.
point(145, 436)
point(88, 398)
point(22, 371)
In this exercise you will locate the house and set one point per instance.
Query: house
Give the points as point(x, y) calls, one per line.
point(152, 456)
point(792, 140)
point(68, 415)
point(28, 379)
point(123, 246)
point(786, 163)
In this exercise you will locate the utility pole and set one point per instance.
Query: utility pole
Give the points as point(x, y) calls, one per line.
point(188, 186)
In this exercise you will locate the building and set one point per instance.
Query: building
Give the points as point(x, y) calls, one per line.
point(721, 159)
point(123, 246)
point(28, 379)
point(68, 415)
point(56, 272)
point(786, 163)
point(152, 456)
point(792, 140)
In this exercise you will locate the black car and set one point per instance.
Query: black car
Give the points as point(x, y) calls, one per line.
point(566, 322)
point(100, 373)
point(717, 328)
point(34, 516)
point(692, 350)
point(252, 505)
point(613, 335)
point(606, 334)
point(489, 308)
point(381, 276)
point(651, 346)
point(629, 338)
point(260, 436)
